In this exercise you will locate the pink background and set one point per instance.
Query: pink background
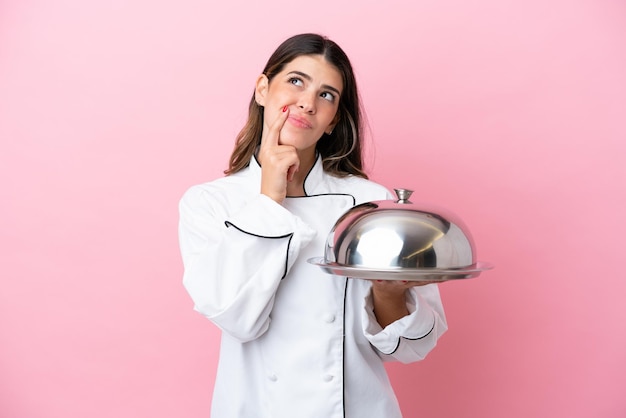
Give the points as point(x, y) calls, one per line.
point(512, 113)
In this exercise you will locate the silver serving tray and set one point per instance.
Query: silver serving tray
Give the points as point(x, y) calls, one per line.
point(411, 274)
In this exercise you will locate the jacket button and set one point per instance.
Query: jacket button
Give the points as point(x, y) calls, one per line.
point(329, 318)
point(273, 377)
point(328, 377)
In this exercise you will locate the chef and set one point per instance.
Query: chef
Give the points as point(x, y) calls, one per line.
point(297, 342)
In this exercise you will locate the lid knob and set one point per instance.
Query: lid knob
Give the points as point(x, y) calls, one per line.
point(403, 195)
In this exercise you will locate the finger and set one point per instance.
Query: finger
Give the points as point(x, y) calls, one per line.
point(406, 284)
point(424, 283)
point(272, 138)
point(292, 170)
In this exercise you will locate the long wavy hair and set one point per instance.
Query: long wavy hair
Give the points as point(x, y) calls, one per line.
point(341, 151)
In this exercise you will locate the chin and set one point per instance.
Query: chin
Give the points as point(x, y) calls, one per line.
point(298, 142)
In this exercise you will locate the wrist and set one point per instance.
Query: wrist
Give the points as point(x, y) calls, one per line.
point(389, 305)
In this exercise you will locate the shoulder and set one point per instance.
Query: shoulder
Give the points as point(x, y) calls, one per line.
point(223, 191)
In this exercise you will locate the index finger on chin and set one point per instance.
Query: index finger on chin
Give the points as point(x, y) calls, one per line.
point(273, 135)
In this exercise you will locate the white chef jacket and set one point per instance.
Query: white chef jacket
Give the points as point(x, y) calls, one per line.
point(296, 341)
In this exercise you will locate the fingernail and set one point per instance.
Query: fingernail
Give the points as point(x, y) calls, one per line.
point(405, 281)
point(284, 108)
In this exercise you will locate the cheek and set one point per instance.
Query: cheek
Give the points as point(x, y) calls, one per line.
point(329, 117)
point(268, 116)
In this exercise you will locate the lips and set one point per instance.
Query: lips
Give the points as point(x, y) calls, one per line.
point(299, 122)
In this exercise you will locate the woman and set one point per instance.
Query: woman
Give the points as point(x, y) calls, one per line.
point(297, 342)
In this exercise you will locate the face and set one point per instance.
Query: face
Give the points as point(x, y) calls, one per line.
point(310, 87)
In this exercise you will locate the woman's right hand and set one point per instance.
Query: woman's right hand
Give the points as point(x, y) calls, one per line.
point(279, 162)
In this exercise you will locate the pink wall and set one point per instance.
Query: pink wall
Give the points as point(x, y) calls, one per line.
point(511, 113)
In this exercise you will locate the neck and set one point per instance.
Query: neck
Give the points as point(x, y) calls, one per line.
point(296, 186)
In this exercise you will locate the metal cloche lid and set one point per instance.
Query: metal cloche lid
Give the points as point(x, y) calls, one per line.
point(400, 240)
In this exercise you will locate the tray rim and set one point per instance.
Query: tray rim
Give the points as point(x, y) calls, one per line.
point(412, 274)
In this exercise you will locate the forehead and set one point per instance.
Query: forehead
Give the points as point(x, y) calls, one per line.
point(317, 68)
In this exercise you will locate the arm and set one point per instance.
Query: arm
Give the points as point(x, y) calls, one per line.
point(236, 249)
point(404, 328)
point(235, 256)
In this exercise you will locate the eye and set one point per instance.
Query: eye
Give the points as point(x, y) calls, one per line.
point(295, 81)
point(328, 96)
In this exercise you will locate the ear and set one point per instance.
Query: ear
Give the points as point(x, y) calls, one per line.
point(260, 91)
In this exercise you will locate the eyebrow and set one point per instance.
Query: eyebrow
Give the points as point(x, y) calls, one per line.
point(309, 78)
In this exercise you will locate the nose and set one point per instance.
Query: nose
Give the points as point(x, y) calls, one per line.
point(307, 102)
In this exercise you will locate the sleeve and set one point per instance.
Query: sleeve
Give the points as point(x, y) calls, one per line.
point(233, 263)
point(412, 337)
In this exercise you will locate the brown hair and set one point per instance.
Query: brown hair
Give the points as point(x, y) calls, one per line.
point(341, 151)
